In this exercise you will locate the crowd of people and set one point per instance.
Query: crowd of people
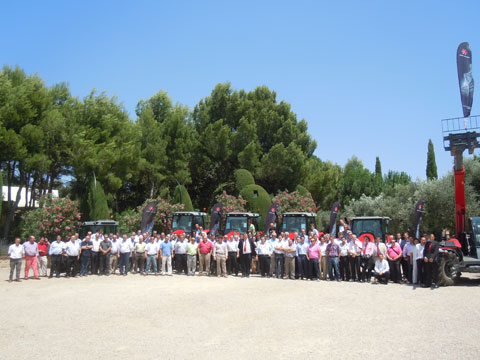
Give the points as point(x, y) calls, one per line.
point(299, 256)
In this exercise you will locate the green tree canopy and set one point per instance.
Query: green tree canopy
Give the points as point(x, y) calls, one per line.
point(250, 130)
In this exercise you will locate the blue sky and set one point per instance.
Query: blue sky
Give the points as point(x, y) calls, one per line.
point(372, 78)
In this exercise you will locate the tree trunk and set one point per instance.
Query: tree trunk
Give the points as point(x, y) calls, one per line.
point(32, 193)
point(151, 190)
point(27, 184)
point(11, 211)
point(52, 179)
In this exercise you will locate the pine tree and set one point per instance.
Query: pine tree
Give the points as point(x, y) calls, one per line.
point(97, 202)
point(431, 163)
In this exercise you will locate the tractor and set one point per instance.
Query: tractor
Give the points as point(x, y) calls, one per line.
point(370, 226)
point(108, 227)
point(239, 222)
point(185, 221)
point(294, 222)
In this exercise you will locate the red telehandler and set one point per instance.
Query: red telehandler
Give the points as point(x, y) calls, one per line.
point(460, 254)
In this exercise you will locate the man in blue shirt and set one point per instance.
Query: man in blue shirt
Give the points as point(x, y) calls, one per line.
point(302, 249)
point(56, 251)
point(166, 254)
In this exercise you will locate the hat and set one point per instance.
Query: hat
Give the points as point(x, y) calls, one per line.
point(321, 234)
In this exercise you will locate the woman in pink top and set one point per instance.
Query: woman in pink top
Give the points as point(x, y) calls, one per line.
point(314, 254)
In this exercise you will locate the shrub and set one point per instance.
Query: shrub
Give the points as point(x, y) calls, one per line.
point(258, 200)
point(294, 201)
point(243, 178)
point(55, 216)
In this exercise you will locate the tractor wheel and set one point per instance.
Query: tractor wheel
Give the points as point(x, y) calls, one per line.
point(447, 274)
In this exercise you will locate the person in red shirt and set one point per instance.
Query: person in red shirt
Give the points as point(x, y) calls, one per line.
point(43, 245)
point(205, 248)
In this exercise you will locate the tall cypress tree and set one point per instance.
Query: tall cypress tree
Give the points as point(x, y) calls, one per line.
point(431, 163)
point(378, 176)
point(97, 202)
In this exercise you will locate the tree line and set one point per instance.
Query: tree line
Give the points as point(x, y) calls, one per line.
point(52, 140)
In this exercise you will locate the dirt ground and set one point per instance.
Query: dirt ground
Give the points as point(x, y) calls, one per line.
point(183, 317)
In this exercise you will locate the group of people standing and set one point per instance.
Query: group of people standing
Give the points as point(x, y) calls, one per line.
point(312, 256)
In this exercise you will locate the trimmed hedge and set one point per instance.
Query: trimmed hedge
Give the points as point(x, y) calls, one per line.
point(258, 200)
point(182, 197)
point(243, 178)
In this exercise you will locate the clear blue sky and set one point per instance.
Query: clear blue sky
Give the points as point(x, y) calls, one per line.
point(370, 77)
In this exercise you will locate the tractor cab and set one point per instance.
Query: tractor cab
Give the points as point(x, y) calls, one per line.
point(238, 222)
point(108, 227)
point(185, 221)
point(293, 222)
point(370, 226)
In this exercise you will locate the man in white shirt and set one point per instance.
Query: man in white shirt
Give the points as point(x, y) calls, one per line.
point(290, 250)
point(324, 261)
point(125, 248)
point(72, 250)
point(420, 261)
point(96, 239)
point(354, 251)
point(114, 254)
point(264, 252)
point(381, 270)
point(16, 253)
point(301, 253)
point(151, 253)
point(272, 240)
point(56, 250)
point(233, 254)
point(343, 260)
point(180, 250)
point(220, 254)
point(278, 246)
point(134, 239)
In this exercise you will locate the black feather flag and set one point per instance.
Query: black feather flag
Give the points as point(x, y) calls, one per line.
point(148, 217)
point(465, 77)
point(418, 217)
point(333, 218)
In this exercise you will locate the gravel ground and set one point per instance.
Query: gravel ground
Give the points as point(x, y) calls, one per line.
point(182, 317)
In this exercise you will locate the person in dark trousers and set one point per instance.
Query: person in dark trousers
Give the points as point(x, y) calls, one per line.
point(394, 256)
point(85, 255)
point(430, 257)
point(404, 262)
point(381, 270)
point(72, 251)
point(302, 261)
point(56, 251)
point(233, 254)
point(105, 249)
point(246, 248)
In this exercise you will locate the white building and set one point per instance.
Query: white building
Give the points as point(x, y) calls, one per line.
point(14, 192)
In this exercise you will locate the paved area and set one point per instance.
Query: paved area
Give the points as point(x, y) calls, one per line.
point(181, 317)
